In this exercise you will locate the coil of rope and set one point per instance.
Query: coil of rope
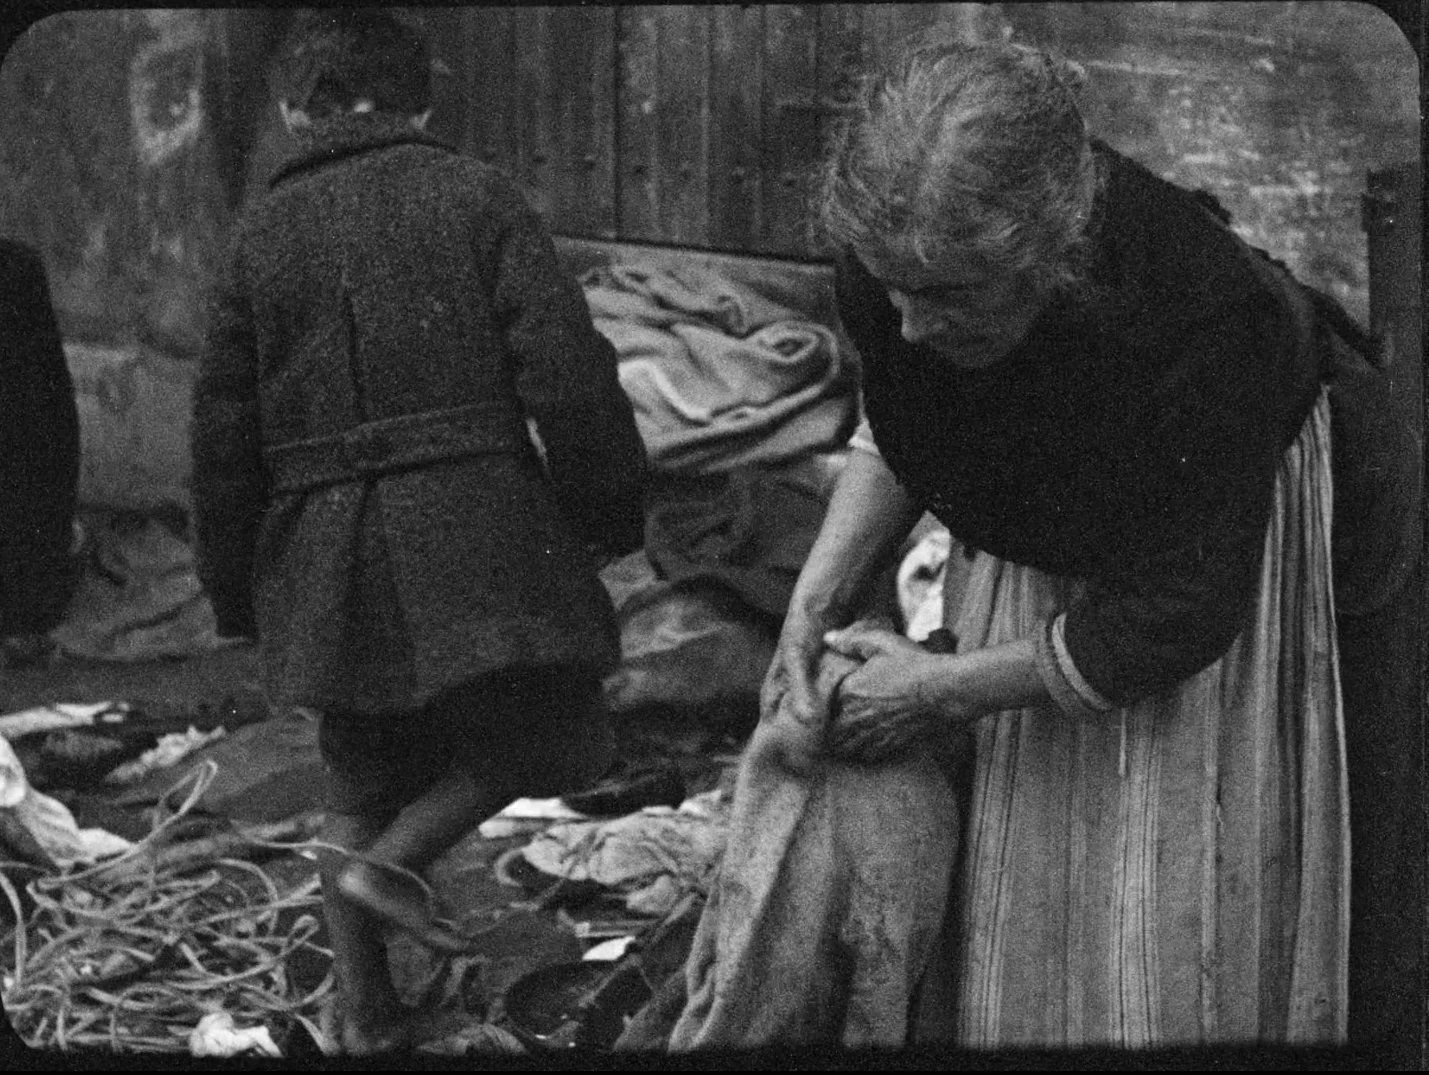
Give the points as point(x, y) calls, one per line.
point(130, 953)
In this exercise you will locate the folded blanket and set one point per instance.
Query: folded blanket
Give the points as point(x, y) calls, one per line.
point(718, 375)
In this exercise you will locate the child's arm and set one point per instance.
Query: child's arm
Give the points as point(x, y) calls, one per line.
point(566, 378)
point(229, 482)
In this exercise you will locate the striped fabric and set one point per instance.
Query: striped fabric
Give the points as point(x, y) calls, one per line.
point(1187, 883)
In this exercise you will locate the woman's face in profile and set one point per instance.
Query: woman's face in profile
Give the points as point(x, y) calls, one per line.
point(963, 310)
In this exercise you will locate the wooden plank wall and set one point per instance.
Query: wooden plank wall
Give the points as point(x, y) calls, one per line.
point(690, 124)
point(129, 137)
point(701, 124)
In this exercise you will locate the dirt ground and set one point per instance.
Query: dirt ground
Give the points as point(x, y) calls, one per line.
point(526, 928)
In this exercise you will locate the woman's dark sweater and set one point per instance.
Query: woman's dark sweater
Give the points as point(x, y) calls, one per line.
point(1130, 440)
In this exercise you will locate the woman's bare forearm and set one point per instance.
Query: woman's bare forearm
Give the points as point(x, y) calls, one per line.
point(869, 514)
point(989, 680)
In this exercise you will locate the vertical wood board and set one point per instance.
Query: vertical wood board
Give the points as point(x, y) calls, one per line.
point(682, 111)
point(790, 124)
point(736, 127)
point(637, 138)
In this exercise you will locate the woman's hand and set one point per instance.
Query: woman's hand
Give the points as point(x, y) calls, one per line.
point(789, 683)
point(792, 712)
point(869, 514)
point(892, 701)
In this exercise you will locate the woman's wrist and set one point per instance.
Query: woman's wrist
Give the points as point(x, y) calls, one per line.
point(944, 690)
point(823, 610)
point(966, 686)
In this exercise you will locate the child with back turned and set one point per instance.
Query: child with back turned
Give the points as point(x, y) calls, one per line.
point(367, 500)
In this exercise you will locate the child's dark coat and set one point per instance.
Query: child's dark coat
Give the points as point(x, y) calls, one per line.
point(383, 276)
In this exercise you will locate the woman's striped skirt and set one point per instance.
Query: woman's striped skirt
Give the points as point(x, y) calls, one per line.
point(1175, 872)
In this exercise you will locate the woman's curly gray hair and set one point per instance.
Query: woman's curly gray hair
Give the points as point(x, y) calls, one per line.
point(965, 147)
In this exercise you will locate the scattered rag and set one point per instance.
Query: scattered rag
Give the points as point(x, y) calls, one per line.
point(48, 718)
point(169, 750)
point(139, 598)
point(655, 855)
point(921, 581)
point(217, 1035)
point(42, 829)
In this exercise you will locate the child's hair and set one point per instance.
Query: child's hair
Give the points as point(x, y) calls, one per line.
point(335, 57)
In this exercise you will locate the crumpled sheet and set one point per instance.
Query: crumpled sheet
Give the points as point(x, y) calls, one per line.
point(681, 646)
point(656, 854)
point(39, 827)
point(718, 376)
point(526, 815)
point(748, 529)
point(828, 906)
point(139, 598)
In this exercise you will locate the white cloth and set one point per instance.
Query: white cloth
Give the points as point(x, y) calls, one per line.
point(50, 718)
point(656, 854)
point(169, 750)
point(920, 584)
point(217, 1035)
point(48, 821)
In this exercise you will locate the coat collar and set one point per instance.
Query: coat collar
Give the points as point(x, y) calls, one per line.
point(332, 140)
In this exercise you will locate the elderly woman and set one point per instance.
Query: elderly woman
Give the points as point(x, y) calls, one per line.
point(1126, 412)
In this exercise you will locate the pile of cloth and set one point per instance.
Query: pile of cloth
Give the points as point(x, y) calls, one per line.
point(700, 604)
point(653, 857)
point(139, 597)
point(81, 780)
point(745, 406)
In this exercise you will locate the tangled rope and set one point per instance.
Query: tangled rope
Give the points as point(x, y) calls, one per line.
point(129, 954)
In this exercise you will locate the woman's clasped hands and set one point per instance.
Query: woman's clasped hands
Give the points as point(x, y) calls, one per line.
point(862, 693)
point(894, 698)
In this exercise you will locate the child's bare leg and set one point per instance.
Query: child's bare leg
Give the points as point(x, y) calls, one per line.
point(422, 831)
point(371, 1018)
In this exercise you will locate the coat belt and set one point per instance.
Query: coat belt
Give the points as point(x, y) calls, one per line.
point(387, 445)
